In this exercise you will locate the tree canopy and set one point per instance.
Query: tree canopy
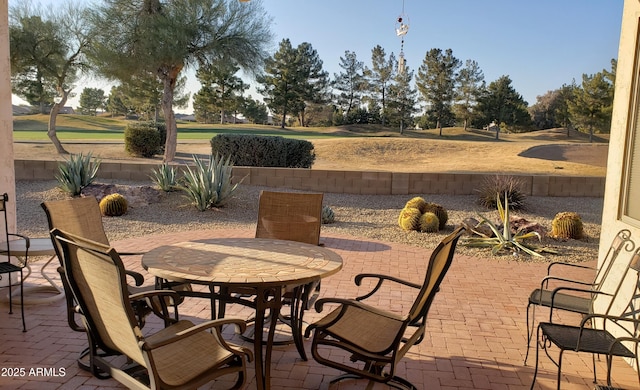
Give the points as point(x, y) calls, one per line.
point(47, 54)
point(134, 36)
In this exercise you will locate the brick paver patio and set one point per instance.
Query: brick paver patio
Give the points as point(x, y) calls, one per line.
point(476, 329)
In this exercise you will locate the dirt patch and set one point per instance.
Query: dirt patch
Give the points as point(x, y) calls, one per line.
point(589, 154)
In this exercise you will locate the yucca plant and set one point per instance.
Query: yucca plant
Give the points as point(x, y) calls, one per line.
point(209, 185)
point(165, 177)
point(76, 173)
point(503, 239)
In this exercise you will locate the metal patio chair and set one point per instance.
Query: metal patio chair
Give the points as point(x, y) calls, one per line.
point(7, 267)
point(377, 339)
point(594, 333)
point(577, 296)
point(182, 355)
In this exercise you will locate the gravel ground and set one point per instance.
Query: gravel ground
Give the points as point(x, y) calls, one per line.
point(371, 216)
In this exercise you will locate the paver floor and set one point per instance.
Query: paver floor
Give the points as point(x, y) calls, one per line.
point(476, 331)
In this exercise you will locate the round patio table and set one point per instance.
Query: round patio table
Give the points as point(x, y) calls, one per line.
point(264, 266)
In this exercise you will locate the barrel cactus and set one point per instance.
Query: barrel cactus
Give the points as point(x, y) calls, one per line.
point(429, 223)
point(416, 203)
point(328, 216)
point(113, 205)
point(439, 211)
point(567, 225)
point(409, 218)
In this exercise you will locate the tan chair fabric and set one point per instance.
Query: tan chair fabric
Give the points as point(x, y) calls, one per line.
point(374, 336)
point(79, 216)
point(290, 216)
point(180, 356)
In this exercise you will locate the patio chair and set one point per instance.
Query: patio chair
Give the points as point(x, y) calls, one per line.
point(576, 296)
point(82, 217)
point(182, 355)
point(594, 334)
point(7, 267)
point(377, 339)
point(292, 216)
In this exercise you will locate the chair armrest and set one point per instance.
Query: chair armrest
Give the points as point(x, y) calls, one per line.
point(573, 289)
point(586, 323)
point(319, 306)
point(344, 303)
point(23, 237)
point(137, 277)
point(155, 293)
point(131, 253)
point(381, 278)
point(215, 324)
point(563, 263)
point(155, 300)
point(544, 284)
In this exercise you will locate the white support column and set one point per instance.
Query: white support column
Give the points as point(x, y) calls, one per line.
point(7, 168)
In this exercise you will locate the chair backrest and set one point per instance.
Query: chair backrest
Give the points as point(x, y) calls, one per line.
point(96, 276)
point(78, 216)
point(4, 198)
point(629, 279)
point(439, 264)
point(622, 240)
point(290, 216)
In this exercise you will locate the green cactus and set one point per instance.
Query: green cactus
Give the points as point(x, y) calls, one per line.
point(567, 225)
point(409, 218)
point(113, 205)
point(328, 216)
point(439, 211)
point(429, 223)
point(416, 203)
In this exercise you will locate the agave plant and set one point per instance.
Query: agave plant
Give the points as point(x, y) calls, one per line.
point(76, 173)
point(209, 185)
point(165, 177)
point(503, 239)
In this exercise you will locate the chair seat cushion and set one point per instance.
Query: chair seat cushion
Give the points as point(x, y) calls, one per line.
point(8, 267)
point(366, 330)
point(596, 341)
point(562, 301)
point(185, 360)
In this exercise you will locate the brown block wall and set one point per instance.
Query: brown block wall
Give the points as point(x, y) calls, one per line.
point(350, 182)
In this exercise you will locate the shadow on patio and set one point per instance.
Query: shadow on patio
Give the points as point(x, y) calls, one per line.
point(476, 331)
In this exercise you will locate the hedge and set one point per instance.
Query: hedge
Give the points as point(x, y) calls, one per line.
point(264, 151)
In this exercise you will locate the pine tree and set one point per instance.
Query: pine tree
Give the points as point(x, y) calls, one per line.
point(436, 81)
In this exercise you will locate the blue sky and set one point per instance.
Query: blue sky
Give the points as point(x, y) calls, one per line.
point(539, 44)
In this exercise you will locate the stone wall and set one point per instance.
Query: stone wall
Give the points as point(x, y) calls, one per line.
point(350, 182)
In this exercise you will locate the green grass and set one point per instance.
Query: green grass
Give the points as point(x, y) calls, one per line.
point(81, 127)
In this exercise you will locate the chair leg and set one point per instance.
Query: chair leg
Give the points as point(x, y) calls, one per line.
point(24, 326)
point(560, 368)
point(530, 322)
point(535, 371)
point(10, 295)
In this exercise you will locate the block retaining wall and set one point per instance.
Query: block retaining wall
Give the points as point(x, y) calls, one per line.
point(350, 182)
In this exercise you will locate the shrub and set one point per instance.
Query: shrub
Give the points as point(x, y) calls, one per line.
point(264, 151)
point(76, 173)
point(144, 139)
point(113, 205)
point(209, 185)
point(165, 177)
point(503, 187)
